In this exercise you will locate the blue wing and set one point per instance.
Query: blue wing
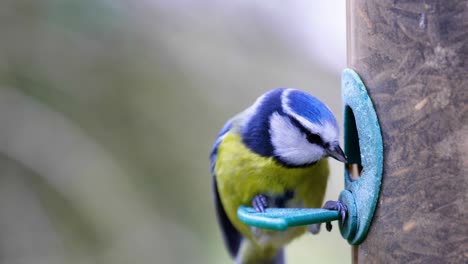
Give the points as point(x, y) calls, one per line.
point(232, 237)
point(219, 138)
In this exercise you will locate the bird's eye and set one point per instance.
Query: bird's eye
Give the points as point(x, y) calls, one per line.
point(314, 138)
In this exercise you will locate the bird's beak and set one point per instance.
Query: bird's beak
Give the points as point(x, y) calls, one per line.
point(337, 153)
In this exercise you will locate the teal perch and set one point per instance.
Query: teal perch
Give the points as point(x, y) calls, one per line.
point(280, 219)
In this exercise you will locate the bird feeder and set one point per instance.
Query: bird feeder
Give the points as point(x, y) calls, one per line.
point(405, 135)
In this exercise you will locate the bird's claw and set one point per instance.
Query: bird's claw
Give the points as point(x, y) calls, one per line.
point(314, 228)
point(336, 206)
point(260, 202)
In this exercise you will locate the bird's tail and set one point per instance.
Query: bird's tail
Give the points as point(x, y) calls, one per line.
point(250, 253)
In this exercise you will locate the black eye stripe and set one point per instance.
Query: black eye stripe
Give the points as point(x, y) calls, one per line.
point(311, 137)
point(314, 138)
point(299, 125)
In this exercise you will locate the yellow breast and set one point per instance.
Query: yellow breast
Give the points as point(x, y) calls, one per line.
point(241, 174)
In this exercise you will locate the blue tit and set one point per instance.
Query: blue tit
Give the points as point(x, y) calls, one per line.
point(273, 154)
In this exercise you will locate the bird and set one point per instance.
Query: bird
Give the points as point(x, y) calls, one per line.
point(273, 154)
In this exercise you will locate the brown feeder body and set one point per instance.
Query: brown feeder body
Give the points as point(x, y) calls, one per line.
point(413, 58)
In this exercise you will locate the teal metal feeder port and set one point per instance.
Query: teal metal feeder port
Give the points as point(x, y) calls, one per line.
point(364, 149)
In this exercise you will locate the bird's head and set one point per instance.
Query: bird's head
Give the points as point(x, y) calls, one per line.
point(293, 127)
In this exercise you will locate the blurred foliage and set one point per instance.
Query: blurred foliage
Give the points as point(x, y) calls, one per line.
point(108, 110)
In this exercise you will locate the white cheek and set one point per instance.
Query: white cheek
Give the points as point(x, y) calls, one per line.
point(290, 144)
point(329, 133)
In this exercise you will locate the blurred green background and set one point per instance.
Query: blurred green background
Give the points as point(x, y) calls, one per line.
point(108, 110)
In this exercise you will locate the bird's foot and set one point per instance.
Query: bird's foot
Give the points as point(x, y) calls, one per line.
point(260, 203)
point(336, 206)
point(314, 229)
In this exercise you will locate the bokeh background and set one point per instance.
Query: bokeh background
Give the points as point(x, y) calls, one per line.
point(108, 110)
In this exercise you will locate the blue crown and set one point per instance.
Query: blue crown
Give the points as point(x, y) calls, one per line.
point(310, 108)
